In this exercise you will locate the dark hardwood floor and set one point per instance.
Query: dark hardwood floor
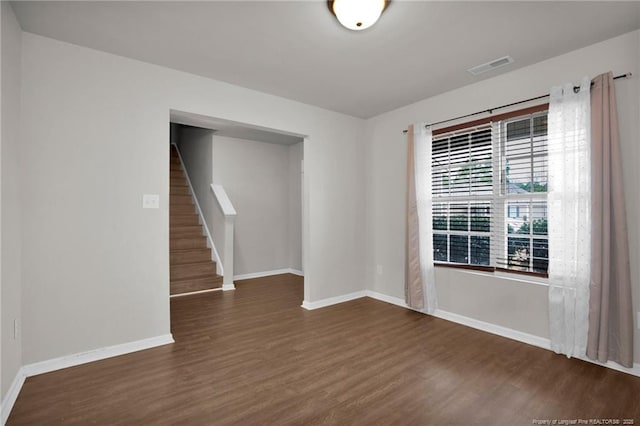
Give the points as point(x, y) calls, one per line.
point(253, 356)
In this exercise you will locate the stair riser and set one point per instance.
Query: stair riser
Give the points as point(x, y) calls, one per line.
point(186, 286)
point(183, 220)
point(178, 182)
point(191, 256)
point(181, 209)
point(175, 200)
point(183, 235)
point(179, 190)
point(188, 243)
point(194, 270)
point(185, 231)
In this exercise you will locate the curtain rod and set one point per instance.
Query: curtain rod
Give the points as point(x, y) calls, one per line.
point(490, 110)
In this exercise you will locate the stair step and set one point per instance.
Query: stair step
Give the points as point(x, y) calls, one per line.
point(193, 270)
point(181, 257)
point(176, 167)
point(198, 284)
point(176, 174)
point(179, 190)
point(178, 182)
point(181, 200)
point(187, 243)
point(181, 209)
point(183, 219)
point(180, 231)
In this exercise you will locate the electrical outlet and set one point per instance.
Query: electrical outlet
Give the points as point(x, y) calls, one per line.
point(16, 329)
point(379, 269)
point(638, 321)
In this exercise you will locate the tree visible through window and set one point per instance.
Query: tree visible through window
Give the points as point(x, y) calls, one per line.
point(489, 195)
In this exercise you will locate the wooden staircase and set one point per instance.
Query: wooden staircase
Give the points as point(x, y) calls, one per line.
point(191, 267)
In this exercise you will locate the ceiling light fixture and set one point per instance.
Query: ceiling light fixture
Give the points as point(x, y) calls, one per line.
point(357, 14)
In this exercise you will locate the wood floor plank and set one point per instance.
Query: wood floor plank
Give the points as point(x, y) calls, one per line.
point(253, 356)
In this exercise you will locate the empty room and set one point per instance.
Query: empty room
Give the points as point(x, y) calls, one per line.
point(344, 212)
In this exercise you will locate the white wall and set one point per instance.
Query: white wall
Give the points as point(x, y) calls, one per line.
point(515, 304)
point(10, 197)
point(256, 177)
point(295, 206)
point(95, 131)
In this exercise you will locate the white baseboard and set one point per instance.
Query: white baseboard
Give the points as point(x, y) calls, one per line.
point(389, 299)
point(267, 274)
point(191, 293)
point(73, 360)
point(227, 287)
point(498, 330)
point(12, 395)
point(509, 333)
point(95, 355)
point(333, 300)
point(635, 370)
point(523, 337)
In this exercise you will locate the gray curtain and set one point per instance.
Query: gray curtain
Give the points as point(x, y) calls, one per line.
point(414, 294)
point(610, 312)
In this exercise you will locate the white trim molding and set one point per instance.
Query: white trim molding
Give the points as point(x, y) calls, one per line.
point(191, 293)
point(523, 337)
point(487, 327)
point(635, 370)
point(227, 287)
point(12, 395)
point(389, 299)
point(95, 355)
point(333, 300)
point(509, 333)
point(268, 274)
point(229, 229)
point(73, 360)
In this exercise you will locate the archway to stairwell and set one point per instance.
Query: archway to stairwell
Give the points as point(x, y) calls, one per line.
point(260, 170)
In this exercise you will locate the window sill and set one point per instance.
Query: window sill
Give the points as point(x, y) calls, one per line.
point(520, 276)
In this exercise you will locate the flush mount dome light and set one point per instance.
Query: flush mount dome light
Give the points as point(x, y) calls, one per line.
point(357, 14)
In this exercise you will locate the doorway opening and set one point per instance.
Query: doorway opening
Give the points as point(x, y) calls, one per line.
point(226, 173)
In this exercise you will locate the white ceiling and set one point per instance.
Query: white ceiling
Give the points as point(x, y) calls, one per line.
point(297, 49)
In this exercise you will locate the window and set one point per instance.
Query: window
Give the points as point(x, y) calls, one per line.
point(489, 185)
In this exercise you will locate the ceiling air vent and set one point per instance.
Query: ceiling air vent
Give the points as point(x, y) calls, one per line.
point(491, 65)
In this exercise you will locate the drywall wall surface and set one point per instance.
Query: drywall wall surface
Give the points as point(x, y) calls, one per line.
point(10, 193)
point(295, 206)
point(471, 294)
point(95, 131)
point(255, 176)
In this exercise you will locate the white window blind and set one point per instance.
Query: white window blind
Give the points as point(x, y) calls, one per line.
point(489, 195)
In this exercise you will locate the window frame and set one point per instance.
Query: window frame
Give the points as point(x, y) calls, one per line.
point(497, 201)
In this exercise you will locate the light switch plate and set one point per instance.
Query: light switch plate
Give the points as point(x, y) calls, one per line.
point(150, 201)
